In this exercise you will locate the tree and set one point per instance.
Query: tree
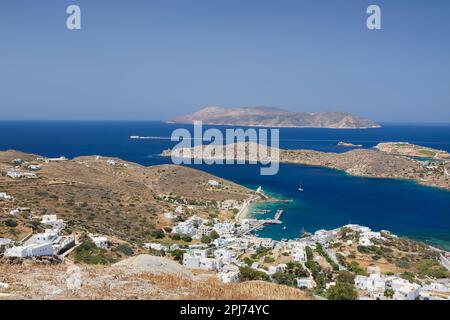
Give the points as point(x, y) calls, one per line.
point(389, 293)
point(285, 278)
point(206, 239)
point(342, 291)
point(177, 254)
point(11, 223)
point(248, 274)
point(346, 277)
point(214, 235)
point(186, 238)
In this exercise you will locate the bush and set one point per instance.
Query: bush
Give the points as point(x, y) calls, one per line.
point(158, 234)
point(214, 235)
point(285, 278)
point(176, 237)
point(89, 253)
point(345, 277)
point(125, 249)
point(186, 238)
point(177, 254)
point(268, 260)
point(248, 274)
point(342, 291)
point(324, 254)
point(432, 269)
point(206, 239)
point(11, 223)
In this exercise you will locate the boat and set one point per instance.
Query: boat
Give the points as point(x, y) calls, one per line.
point(284, 228)
point(300, 187)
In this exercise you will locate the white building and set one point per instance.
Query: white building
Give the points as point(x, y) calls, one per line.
point(365, 242)
point(4, 242)
point(100, 241)
point(170, 216)
point(53, 221)
point(5, 196)
point(277, 268)
point(225, 229)
point(32, 250)
point(197, 259)
point(20, 174)
point(34, 167)
point(213, 183)
point(60, 159)
point(229, 274)
point(15, 212)
point(155, 246)
point(404, 290)
point(179, 210)
point(374, 282)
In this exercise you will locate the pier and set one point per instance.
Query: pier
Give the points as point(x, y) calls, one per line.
point(260, 223)
point(278, 214)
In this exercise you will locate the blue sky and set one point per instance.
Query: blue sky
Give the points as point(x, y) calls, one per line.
point(157, 59)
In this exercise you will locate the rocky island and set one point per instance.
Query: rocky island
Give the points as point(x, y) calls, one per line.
point(358, 162)
point(275, 117)
point(412, 150)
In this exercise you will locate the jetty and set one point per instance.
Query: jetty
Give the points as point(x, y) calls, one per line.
point(260, 223)
point(278, 214)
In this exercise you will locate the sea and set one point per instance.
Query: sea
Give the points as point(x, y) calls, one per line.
point(329, 200)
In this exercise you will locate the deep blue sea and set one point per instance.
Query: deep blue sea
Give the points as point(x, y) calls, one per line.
point(331, 198)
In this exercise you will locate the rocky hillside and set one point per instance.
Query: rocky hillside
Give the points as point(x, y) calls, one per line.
point(140, 277)
point(275, 117)
point(105, 195)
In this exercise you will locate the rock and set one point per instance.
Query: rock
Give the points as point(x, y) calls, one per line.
point(73, 278)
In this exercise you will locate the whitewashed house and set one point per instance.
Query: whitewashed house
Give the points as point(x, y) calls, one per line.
point(5, 196)
point(53, 221)
point(229, 274)
point(32, 250)
point(374, 282)
point(170, 216)
point(100, 241)
point(213, 183)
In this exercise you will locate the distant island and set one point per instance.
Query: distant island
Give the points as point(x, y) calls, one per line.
point(348, 144)
point(383, 161)
point(276, 117)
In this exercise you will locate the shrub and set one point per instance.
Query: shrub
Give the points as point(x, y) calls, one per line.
point(345, 276)
point(89, 253)
point(177, 254)
point(11, 223)
point(268, 260)
point(125, 249)
point(206, 239)
point(214, 235)
point(342, 291)
point(248, 274)
point(186, 238)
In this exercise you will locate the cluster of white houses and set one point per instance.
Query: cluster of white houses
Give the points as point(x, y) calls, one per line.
point(48, 243)
point(223, 254)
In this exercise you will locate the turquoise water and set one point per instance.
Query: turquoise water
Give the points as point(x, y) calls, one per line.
point(331, 198)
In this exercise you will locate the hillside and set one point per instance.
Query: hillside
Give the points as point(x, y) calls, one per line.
point(275, 117)
point(109, 196)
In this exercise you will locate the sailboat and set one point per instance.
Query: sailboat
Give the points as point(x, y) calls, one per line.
point(300, 187)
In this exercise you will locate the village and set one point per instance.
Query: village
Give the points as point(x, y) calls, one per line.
point(227, 249)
